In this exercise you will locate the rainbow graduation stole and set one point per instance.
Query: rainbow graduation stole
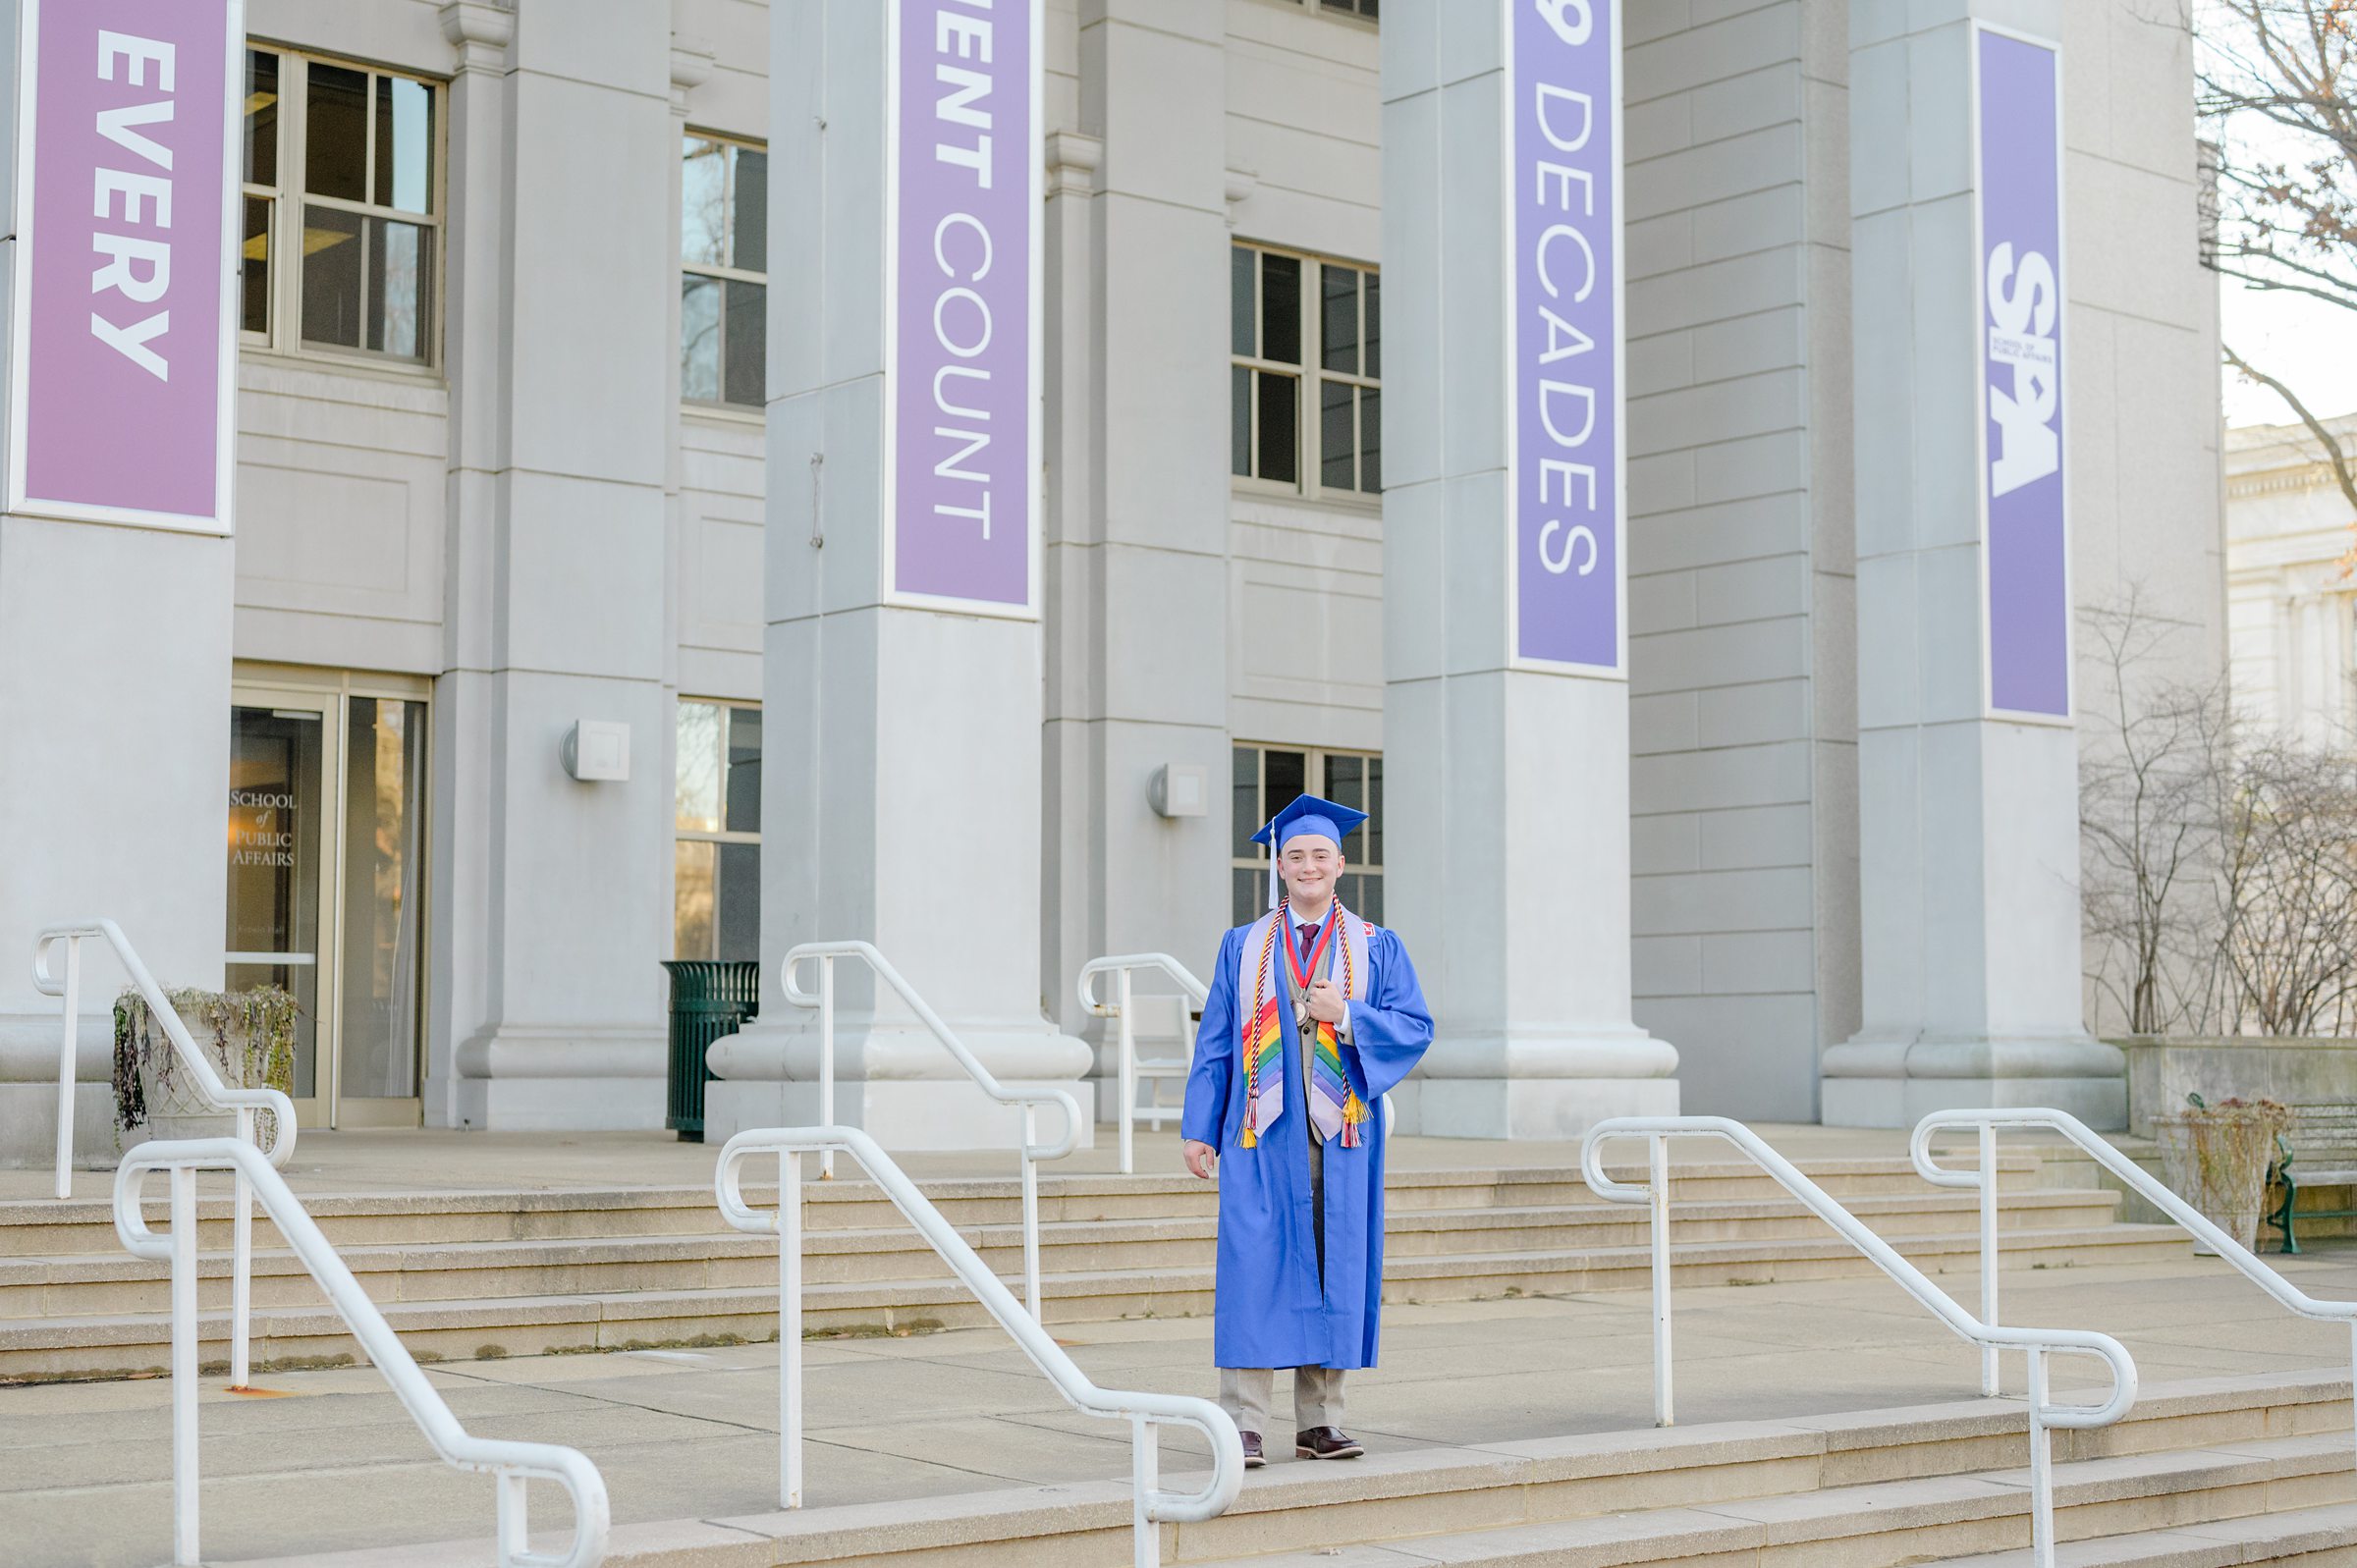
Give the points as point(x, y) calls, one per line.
point(1333, 1104)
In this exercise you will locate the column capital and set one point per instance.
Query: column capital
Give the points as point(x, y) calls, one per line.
point(690, 68)
point(1241, 184)
point(1072, 161)
point(480, 30)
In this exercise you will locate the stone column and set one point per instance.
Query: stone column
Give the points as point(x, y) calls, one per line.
point(1137, 497)
point(114, 740)
point(561, 376)
point(1968, 823)
point(900, 783)
point(1509, 854)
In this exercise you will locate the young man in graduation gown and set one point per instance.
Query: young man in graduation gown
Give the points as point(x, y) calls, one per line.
point(1314, 1014)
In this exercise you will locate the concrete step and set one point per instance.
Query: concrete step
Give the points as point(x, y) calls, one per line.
point(2310, 1537)
point(42, 1228)
point(70, 1285)
point(739, 1303)
point(1865, 1490)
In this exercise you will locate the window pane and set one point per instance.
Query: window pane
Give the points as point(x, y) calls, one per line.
point(261, 118)
point(699, 338)
point(1374, 293)
point(1339, 322)
point(747, 354)
point(1239, 302)
point(738, 902)
point(1370, 905)
point(400, 276)
point(405, 144)
point(698, 768)
point(691, 904)
point(1345, 782)
point(749, 227)
point(1337, 440)
point(703, 201)
point(744, 813)
point(332, 270)
point(255, 264)
point(335, 140)
point(385, 742)
point(1280, 427)
point(1251, 896)
point(1281, 308)
point(1287, 778)
point(1374, 828)
point(1247, 800)
point(1370, 439)
point(1239, 419)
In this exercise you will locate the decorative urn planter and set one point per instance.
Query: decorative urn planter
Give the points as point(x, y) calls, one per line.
point(248, 1036)
point(2215, 1156)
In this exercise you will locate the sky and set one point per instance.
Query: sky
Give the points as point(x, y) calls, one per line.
point(2306, 344)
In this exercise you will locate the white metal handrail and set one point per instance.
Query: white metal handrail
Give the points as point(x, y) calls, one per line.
point(2134, 1176)
point(511, 1462)
point(1122, 967)
point(243, 1101)
point(2036, 1343)
point(1033, 1150)
point(1144, 1411)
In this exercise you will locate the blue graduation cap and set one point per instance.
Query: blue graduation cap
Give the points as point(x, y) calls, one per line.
point(1308, 814)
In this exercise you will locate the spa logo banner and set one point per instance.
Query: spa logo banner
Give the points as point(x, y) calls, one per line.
point(2025, 533)
point(962, 432)
point(121, 400)
point(1565, 443)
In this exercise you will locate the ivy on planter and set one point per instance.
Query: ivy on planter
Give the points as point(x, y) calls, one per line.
point(261, 1022)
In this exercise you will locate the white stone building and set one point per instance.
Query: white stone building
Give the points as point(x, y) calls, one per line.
point(504, 465)
point(2291, 598)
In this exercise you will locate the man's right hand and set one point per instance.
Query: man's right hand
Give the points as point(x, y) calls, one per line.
point(1201, 1158)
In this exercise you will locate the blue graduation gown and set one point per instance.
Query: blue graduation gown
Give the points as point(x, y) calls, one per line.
point(1269, 1308)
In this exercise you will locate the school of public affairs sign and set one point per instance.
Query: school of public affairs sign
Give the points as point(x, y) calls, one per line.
point(2024, 513)
point(124, 336)
point(1565, 439)
point(962, 434)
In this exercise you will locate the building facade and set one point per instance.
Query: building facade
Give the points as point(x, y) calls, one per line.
point(517, 304)
point(2292, 606)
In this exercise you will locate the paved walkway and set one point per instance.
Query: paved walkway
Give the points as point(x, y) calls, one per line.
point(332, 1462)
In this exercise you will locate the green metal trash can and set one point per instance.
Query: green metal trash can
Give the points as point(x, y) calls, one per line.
point(709, 998)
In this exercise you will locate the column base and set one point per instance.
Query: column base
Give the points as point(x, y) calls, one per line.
point(1883, 1082)
point(896, 1082)
point(28, 1126)
point(1543, 1109)
point(560, 1079)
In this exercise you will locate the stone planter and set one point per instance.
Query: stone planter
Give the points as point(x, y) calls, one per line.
point(2216, 1158)
point(248, 1038)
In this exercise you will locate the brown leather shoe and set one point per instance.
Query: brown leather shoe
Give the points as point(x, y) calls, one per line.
point(1325, 1442)
point(1253, 1458)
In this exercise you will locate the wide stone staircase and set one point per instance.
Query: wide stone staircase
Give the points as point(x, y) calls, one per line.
point(2200, 1475)
point(502, 1272)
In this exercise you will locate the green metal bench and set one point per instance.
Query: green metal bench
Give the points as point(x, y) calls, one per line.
point(2319, 1148)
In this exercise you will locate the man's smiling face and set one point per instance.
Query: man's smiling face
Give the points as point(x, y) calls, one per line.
point(1310, 867)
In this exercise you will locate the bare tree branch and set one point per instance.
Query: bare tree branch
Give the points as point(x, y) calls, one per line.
point(2337, 457)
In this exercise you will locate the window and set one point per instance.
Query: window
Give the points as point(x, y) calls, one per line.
point(724, 285)
point(1350, 8)
point(348, 160)
point(716, 901)
point(1268, 778)
point(1305, 385)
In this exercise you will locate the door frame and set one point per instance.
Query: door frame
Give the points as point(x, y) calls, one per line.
point(253, 685)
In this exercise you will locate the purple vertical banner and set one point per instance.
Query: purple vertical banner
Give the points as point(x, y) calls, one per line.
point(126, 345)
point(962, 429)
point(2024, 517)
point(1563, 338)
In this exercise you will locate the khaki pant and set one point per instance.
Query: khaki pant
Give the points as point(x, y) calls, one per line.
point(1245, 1392)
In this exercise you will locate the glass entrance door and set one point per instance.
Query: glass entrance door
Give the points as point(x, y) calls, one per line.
point(327, 895)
